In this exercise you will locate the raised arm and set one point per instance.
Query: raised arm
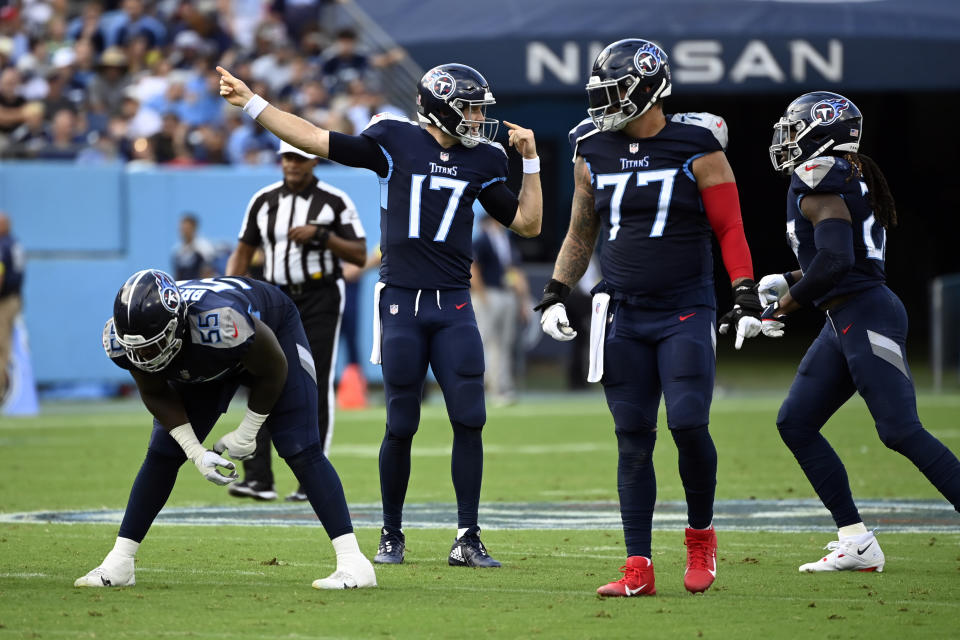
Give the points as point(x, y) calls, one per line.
point(529, 217)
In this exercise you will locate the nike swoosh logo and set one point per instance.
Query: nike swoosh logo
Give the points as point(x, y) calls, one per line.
point(687, 317)
point(633, 592)
point(236, 332)
point(860, 551)
point(845, 332)
point(460, 306)
point(810, 167)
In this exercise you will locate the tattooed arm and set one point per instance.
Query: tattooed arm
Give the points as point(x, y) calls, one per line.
point(582, 234)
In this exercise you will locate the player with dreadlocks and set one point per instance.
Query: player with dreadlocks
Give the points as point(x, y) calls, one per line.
point(839, 208)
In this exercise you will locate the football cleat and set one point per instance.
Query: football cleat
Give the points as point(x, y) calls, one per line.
point(353, 573)
point(119, 573)
point(297, 496)
point(392, 546)
point(252, 489)
point(468, 551)
point(701, 559)
point(637, 580)
point(855, 553)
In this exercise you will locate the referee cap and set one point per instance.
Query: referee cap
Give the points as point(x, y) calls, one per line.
point(286, 147)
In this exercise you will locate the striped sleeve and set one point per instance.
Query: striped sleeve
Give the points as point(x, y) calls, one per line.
point(249, 231)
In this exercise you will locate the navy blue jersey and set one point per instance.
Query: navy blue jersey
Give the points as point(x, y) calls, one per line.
point(829, 174)
point(220, 327)
point(426, 203)
point(655, 237)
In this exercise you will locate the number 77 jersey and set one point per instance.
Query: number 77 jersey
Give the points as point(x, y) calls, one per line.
point(655, 236)
point(426, 203)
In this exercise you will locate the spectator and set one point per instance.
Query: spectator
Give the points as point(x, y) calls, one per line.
point(108, 85)
point(132, 22)
point(193, 256)
point(344, 64)
point(11, 280)
point(87, 27)
point(27, 140)
point(63, 144)
point(11, 102)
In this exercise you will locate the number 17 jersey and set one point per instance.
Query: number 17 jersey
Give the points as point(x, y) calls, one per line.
point(426, 203)
point(655, 239)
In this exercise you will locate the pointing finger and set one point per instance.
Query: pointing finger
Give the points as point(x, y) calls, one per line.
point(223, 72)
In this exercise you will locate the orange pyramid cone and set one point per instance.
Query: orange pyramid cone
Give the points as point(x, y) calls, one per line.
point(352, 392)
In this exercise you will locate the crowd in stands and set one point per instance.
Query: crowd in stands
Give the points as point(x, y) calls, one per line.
point(134, 80)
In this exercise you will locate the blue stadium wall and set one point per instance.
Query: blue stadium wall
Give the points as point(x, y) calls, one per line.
point(86, 229)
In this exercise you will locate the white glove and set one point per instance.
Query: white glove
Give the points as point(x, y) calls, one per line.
point(205, 461)
point(241, 443)
point(555, 324)
point(772, 326)
point(747, 327)
point(207, 464)
point(772, 287)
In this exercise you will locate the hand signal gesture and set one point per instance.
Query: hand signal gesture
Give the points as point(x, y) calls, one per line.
point(522, 140)
point(232, 89)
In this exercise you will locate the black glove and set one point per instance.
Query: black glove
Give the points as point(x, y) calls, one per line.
point(746, 304)
point(554, 292)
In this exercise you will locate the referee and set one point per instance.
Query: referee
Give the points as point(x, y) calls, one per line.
point(305, 228)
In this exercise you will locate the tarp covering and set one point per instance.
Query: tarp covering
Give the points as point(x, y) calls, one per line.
point(714, 45)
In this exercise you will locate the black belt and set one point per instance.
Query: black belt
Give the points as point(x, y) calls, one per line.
point(836, 301)
point(299, 288)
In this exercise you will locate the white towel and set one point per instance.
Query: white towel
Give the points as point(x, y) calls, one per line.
point(377, 325)
point(598, 335)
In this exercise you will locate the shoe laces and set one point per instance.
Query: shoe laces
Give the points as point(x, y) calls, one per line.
point(697, 553)
point(473, 541)
point(631, 575)
point(833, 545)
point(388, 541)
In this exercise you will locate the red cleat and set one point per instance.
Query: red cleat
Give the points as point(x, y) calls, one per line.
point(701, 559)
point(637, 579)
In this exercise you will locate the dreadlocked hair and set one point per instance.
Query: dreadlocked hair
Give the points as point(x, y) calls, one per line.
point(878, 191)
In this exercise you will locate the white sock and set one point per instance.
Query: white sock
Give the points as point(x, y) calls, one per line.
point(462, 531)
point(706, 528)
point(345, 546)
point(124, 548)
point(852, 530)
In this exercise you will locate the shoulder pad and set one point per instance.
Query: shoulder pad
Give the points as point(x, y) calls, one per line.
point(388, 117)
point(495, 145)
point(220, 328)
point(584, 129)
point(110, 344)
point(713, 123)
point(818, 174)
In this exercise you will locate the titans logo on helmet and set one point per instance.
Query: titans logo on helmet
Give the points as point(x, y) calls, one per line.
point(169, 294)
point(827, 111)
point(442, 84)
point(647, 59)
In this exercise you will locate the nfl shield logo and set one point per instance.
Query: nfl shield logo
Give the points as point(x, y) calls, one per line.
point(394, 309)
point(444, 156)
point(634, 147)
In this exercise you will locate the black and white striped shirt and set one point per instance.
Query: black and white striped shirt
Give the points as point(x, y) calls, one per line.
point(275, 209)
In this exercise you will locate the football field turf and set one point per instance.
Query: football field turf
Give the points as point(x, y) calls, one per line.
point(550, 463)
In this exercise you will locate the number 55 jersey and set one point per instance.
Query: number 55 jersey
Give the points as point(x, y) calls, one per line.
point(655, 239)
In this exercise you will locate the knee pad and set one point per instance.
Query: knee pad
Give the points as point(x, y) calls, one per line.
point(793, 429)
point(466, 404)
point(636, 447)
point(893, 434)
point(688, 410)
point(403, 413)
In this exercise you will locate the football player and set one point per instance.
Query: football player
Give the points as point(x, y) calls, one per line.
point(839, 209)
point(431, 172)
point(189, 347)
point(653, 187)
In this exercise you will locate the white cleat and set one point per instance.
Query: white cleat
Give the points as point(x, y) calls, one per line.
point(118, 574)
point(856, 553)
point(357, 573)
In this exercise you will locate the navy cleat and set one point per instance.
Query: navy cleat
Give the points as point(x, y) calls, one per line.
point(392, 546)
point(468, 551)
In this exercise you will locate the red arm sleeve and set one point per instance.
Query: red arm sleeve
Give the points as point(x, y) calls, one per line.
point(722, 205)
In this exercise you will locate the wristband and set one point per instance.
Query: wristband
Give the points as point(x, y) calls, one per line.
point(321, 236)
point(255, 106)
point(251, 424)
point(531, 165)
point(187, 440)
point(788, 276)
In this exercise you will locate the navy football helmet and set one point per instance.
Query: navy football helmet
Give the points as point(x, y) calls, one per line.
point(150, 317)
point(628, 77)
point(817, 123)
point(446, 92)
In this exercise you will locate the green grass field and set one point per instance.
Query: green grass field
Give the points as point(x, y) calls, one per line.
point(254, 582)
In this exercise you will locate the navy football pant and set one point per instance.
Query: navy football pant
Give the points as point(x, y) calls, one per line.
point(292, 424)
point(649, 353)
point(862, 348)
point(420, 328)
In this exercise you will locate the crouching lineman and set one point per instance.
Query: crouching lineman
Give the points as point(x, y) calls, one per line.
point(188, 349)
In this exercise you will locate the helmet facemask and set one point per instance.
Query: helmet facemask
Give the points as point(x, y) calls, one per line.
point(611, 106)
point(472, 132)
point(154, 353)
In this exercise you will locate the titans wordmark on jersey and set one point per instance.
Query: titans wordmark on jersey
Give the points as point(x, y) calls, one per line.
point(220, 328)
point(832, 175)
point(655, 237)
point(426, 203)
